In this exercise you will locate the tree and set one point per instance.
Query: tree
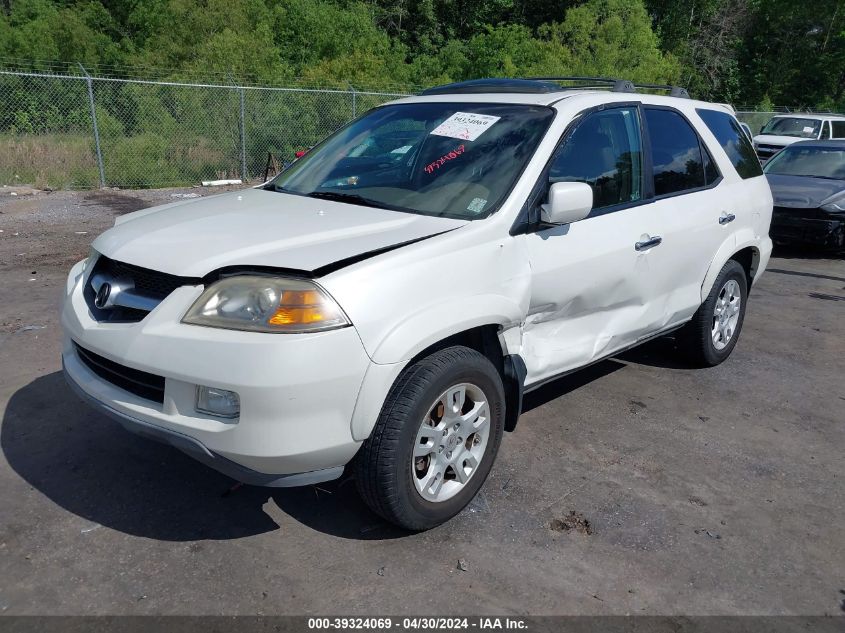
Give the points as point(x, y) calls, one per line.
point(613, 38)
point(796, 53)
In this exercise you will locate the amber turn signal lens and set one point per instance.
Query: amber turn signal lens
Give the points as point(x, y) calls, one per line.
point(300, 298)
point(296, 316)
point(301, 307)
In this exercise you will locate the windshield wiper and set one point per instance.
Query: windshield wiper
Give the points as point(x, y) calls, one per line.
point(352, 198)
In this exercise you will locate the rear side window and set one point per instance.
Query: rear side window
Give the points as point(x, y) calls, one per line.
point(677, 159)
point(732, 139)
point(838, 129)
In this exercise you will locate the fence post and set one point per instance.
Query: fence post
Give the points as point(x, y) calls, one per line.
point(244, 175)
point(90, 83)
point(354, 101)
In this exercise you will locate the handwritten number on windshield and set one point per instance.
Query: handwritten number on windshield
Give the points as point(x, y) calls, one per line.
point(437, 164)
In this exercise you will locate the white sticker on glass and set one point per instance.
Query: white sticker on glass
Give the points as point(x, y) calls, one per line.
point(465, 125)
point(477, 205)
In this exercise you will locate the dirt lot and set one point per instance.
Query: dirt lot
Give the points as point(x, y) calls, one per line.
point(713, 491)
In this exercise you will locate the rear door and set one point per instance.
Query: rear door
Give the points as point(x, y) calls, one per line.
point(693, 220)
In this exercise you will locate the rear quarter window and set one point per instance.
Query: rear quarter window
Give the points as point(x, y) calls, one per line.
point(735, 143)
point(838, 129)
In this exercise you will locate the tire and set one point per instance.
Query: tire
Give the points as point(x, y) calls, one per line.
point(389, 475)
point(698, 337)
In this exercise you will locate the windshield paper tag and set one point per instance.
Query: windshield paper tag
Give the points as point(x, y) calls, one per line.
point(465, 125)
point(808, 129)
point(477, 205)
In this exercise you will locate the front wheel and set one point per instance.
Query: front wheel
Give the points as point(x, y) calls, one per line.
point(435, 440)
point(711, 335)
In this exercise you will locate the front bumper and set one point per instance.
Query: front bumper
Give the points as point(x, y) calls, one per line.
point(794, 229)
point(297, 392)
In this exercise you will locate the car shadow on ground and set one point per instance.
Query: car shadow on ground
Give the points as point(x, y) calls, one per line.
point(661, 352)
point(90, 466)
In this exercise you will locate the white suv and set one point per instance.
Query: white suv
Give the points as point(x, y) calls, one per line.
point(785, 129)
point(388, 299)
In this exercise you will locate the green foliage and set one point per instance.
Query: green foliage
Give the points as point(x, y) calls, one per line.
point(797, 49)
point(613, 38)
point(746, 50)
point(741, 51)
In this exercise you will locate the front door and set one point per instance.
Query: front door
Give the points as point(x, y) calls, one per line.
point(592, 292)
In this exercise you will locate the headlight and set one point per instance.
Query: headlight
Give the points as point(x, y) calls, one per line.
point(834, 204)
point(266, 304)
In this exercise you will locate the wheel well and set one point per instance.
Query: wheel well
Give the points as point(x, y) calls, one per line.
point(485, 339)
point(748, 258)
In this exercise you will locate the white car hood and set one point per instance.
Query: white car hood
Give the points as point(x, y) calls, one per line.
point(773, 139)
point(254, 227)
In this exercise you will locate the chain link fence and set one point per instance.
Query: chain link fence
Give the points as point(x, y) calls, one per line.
point(756, 120)
point(77, 131)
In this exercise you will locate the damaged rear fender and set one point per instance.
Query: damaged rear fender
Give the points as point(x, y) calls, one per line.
point(733, 244)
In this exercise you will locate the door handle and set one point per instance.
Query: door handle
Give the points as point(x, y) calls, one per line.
point(646, 244)
point(726, 218)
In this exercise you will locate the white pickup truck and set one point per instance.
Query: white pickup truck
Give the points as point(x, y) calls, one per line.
point(785, 129)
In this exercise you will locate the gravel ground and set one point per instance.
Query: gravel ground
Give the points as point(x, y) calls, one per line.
point(637, 486)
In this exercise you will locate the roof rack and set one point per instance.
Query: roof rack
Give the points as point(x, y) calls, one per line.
point(477, 86)
point(616, 85)
point(544, 85)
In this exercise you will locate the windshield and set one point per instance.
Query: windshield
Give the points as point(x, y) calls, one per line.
point(819, 162)
point(793, 126)
point(455, 160)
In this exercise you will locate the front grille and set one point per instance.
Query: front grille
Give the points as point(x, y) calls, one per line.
point(149, 282)
point(142, 384)
point(766, 151)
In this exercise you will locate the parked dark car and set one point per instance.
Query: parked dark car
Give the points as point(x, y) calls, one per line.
point(808, 186)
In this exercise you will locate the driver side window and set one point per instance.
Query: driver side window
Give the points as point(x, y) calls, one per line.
point(605, 152)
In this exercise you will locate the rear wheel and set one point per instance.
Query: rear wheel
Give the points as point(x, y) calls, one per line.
point(711, 335)
point(435, 440)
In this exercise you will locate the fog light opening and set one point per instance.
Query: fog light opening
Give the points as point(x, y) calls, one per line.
point(218, 402)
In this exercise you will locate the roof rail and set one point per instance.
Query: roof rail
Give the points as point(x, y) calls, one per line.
point(476, 86)
point(544, 85)
point(617, 85)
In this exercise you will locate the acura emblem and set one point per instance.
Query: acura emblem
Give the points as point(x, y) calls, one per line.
point(102, 295)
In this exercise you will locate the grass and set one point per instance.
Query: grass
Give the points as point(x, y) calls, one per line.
point(56, 161)
point(65, 161)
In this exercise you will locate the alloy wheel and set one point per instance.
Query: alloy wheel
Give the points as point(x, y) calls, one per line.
point(726, 314)
point(450, 442)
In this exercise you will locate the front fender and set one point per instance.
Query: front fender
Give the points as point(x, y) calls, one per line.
point(423, 329)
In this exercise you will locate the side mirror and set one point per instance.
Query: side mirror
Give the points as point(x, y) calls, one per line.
point(568, 203)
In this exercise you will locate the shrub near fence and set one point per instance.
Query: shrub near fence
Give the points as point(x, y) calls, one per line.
point(157, 133)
